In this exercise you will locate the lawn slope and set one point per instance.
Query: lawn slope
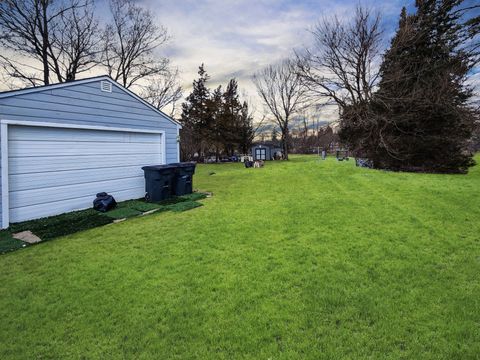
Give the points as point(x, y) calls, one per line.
point(304, 259)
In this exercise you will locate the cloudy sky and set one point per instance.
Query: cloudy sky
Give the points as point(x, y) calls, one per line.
point(236, 38)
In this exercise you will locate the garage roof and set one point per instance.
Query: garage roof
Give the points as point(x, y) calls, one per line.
point(11, 93)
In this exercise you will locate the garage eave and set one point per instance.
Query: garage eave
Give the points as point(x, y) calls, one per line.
point(13, 93)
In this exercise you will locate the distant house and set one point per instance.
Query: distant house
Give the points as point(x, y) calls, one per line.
point(266, 151)
point(63, 143)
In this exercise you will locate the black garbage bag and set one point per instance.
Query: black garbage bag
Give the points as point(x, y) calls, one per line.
point(104, 202)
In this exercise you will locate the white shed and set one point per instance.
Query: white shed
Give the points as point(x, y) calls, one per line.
point(61, 144)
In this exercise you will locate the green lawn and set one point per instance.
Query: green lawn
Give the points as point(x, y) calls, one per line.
point(298, 260)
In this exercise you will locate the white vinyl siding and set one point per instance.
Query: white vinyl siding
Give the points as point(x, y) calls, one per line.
point(55, 170)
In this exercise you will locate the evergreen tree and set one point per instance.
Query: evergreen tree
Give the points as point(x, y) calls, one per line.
point(215, 131)
point(246, 131)
point(215, 121)
point(421, 118)
point(196, 117)
point(231, 111)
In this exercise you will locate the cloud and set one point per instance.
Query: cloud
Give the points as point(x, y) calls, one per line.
point(237, 38)
point(229, 36)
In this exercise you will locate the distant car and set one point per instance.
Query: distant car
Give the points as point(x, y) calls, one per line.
point(222, 159)
point(228, 159)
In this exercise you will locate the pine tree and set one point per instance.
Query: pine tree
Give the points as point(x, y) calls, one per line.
point(422, 121)
point(231, 111)
point(215, 121)
point(215, 130)
point(196, 117)
point(246, 131)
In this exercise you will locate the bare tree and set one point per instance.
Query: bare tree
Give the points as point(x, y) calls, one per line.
point(259, 126)
point(129, 44)
point(253, 113)
point(75, 45)
point(45, 38)
point(343, 62)
point(164, 90)
point(283, 93)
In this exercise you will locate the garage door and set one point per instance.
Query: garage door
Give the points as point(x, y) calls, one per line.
point(56, 170)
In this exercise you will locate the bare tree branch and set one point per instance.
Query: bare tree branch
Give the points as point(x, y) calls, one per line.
point(60, 36)
point(283, 93)
point(163, 91)
point(129, 44)
point(75, 48)
point(343, 63)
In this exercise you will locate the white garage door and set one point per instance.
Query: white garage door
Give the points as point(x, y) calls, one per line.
point(56, 170)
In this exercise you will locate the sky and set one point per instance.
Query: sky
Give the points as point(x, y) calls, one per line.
point(238, 38)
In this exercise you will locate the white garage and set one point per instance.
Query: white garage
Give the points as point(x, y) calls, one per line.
point(49, 167)
point(55, 169)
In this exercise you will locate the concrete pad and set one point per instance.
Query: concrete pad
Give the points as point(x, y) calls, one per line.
point(27, 236)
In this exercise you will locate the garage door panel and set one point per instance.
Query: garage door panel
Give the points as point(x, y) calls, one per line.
point(53, 170)
point(43, 195)
point(25, 148)
point(64, 178)
point(58, 207)
point(55, 134)
point(45, 164)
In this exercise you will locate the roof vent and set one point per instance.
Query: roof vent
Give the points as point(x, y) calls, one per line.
point(106, 86)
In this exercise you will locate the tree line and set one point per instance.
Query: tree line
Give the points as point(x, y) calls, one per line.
point(48, 41)
point(215, 122)
point(413, 112)
point(303, 140)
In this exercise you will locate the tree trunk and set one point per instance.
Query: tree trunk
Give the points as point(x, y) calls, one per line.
point(45, 40)
point(285, 143)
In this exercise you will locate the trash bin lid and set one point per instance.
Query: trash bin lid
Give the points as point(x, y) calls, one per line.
point(184, 164)
point(158, 167)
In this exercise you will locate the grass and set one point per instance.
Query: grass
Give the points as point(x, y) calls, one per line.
point(301, 260)
point(59, 225)
point(122, 213)
point(183, 206)
point(52, 227)
point(8, 243)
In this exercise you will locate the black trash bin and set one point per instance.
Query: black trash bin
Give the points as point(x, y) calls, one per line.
point(159, 181)
point(183, 184)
